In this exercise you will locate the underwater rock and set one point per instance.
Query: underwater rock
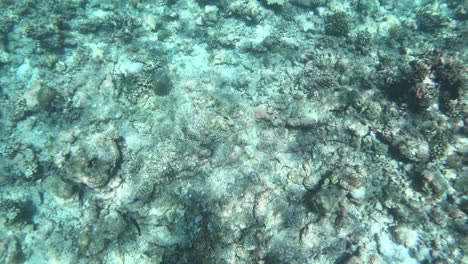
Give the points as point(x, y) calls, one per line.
point(249, 11)
point(45, 96)
point(61, 189)
point(162, 84)
point(461, 184)
point(26, 164)
point(373, 111)
point(457, 160)
point(250, 242)
point(327, 200)
point(211, 13)
point(433, 184)
point(11, 250)
point(163, 34)
point(300, 131)
point(424, 94)
point(93, 162)
point(160, 235)
point(49, 33)
point(83, 241)
point(111, 226)
point(415, 150)
point(429, 20)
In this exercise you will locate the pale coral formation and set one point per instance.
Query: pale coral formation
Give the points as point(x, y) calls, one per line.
point(243, 131)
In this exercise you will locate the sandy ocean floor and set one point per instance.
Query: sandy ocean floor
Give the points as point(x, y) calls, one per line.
point(242, 131)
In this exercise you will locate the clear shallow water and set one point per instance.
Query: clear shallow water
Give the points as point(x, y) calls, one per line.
point(233, 132)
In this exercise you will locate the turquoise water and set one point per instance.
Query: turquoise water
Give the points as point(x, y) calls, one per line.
point(244, 131)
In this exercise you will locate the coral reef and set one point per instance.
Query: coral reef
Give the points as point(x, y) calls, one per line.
point(337, 24)
point(245, 131)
